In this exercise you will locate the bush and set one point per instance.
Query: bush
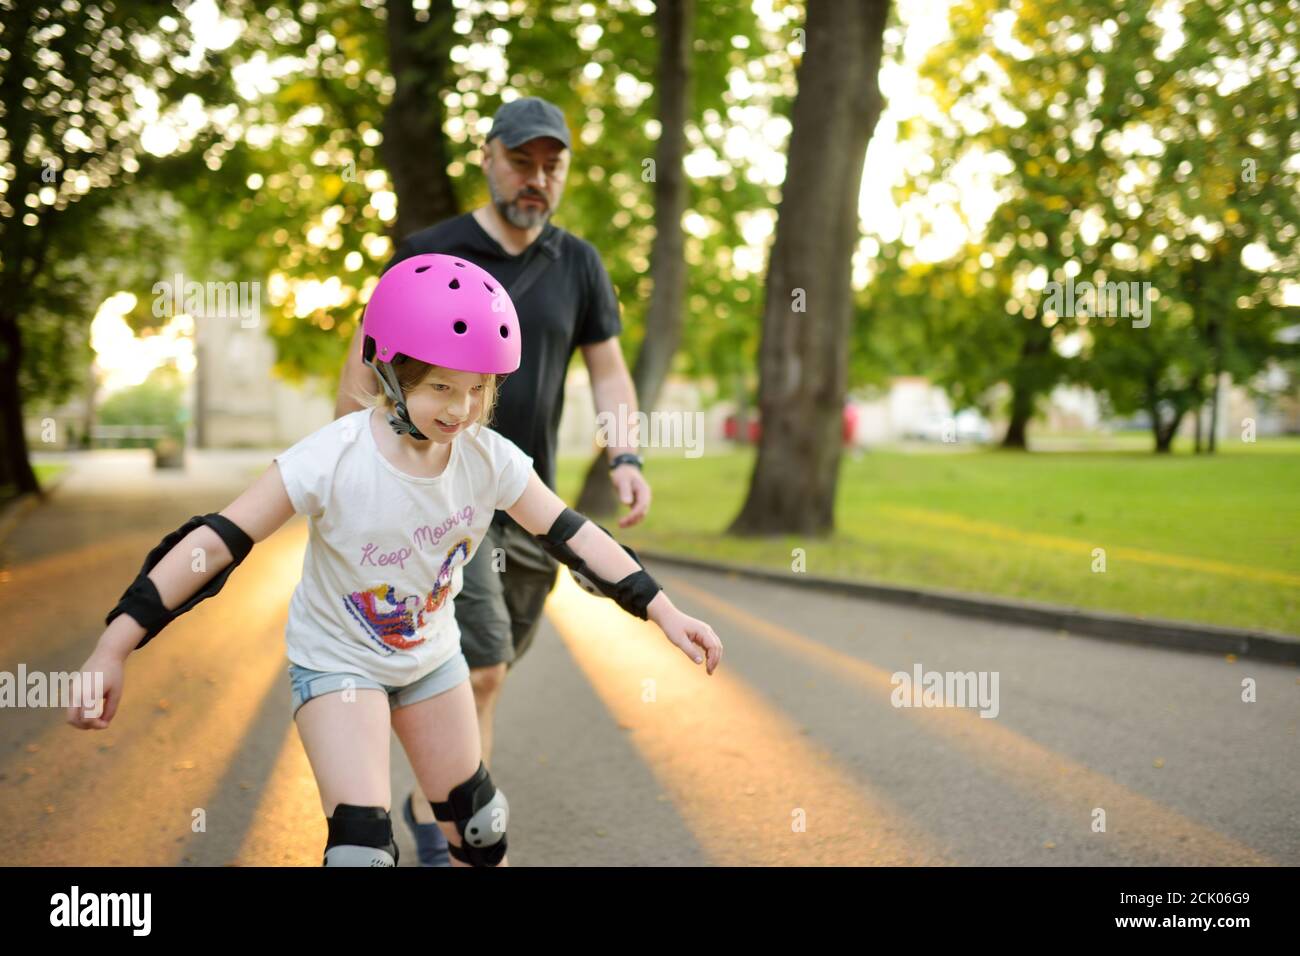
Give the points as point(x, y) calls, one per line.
point(158, 400)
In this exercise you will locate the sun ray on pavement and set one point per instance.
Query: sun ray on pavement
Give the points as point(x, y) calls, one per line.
point(738, 771)
point(1159, 833)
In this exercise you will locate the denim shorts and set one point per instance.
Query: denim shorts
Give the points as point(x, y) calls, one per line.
point(307, 683)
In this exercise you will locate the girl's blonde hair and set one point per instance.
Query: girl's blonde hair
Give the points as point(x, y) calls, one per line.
point(412, 373)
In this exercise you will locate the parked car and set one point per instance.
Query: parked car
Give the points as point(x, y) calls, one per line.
point(967, 425)
point(731, 426)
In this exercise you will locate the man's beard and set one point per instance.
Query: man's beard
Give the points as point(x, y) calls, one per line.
point(515, 213)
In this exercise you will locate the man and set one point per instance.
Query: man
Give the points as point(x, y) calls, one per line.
point(565, 300)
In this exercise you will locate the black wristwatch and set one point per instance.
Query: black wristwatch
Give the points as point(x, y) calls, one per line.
point(627, 458)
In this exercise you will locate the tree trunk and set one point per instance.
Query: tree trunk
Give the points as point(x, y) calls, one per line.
point(803, 358)
point(200, 393)
point(89, 413)
point(22, 250)
point(1165, 432)
point(1214, 411)
point(1198, 409)
point(1216, 349)
point(16, 474)
point(663, 331)
point(1022, 410)
point(414, 148)
point(1027, 380)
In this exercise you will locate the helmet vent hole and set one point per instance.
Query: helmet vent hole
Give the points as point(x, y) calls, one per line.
point(461, 264)
point(489, 287)
point(460, 327)
point(455, 284)
point(505, 332)
point(422, 269)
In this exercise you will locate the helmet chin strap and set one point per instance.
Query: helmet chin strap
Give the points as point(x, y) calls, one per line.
point(399, 418)
point(402, 424)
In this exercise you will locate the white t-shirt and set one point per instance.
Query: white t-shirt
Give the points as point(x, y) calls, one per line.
point(384, 555)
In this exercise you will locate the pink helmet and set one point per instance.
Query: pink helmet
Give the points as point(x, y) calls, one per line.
point(444, 311)
point(441, 310)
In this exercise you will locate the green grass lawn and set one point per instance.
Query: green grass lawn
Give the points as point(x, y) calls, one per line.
point(47, 473)
point(1209, 539)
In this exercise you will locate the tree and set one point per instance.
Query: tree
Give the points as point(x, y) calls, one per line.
point(910, 316)
point(159, 401)
point(291, 184)
point(300, 191)
point(312, 203)
point(1222, 187)
point(663, 323)
point(1140, 149)
point(72, 79)
point(619, 96)
point(415, 147)
point(803, 358)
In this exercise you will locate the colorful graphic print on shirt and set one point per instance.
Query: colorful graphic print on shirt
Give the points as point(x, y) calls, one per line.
point(392, 623)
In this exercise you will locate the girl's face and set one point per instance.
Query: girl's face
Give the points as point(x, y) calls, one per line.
point(446, 403)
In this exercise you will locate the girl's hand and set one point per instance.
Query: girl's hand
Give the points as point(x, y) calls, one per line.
point(95, 714)
point(688, 633)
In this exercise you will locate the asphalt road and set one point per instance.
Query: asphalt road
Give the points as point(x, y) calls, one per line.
point(615, 750)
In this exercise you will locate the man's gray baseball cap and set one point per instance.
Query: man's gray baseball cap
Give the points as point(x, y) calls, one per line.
point(528, 118)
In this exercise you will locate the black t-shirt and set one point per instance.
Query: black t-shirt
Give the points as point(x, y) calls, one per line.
point(570, 304)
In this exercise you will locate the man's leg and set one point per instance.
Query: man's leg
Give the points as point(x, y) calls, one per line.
point(526, 591)
point(526, 577)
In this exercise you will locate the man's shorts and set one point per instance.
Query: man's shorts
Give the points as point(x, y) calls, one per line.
point(306, 684)
point(498, 611)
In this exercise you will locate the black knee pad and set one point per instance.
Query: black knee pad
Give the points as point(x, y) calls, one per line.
point(360, 836)
point(481, 814)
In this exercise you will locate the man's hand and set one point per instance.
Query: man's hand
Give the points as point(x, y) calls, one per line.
point(615, 397)
point(633, 490)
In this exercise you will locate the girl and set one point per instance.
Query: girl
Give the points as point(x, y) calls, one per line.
point(393, 514)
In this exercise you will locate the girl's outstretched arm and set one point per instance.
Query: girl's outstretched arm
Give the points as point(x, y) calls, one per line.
point(178, 576)
point(537, 511)
point(258, 512)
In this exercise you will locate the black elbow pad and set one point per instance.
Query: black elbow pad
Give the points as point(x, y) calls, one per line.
point(142, 601)
point(633, 593)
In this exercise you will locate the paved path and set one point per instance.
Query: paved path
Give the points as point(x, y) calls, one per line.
point(614, 749)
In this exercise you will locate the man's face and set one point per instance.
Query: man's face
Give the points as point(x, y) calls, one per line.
point(526, 182)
